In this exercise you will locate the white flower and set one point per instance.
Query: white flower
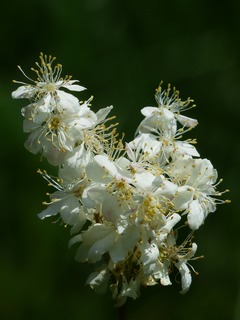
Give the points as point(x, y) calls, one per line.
point(160, 143)
point(172, 101)
point(110, 192)
point(73, 168)
point(95, 241)
point(58, 130)
point(49, 82)
point(182, 265)
point(55, 129)
point(196, 179)
point(158, 120)
point(124, 243)
point(125, 206)
point(99, 279)
point(66, 201)
point(149, 257)
point(170, 222)
point(97, 198)
point(103, 170)
point(147, 147)
point(184, 147)
point(124, 288)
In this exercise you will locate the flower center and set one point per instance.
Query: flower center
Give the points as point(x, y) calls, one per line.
point(54, 124)
point(49, 87)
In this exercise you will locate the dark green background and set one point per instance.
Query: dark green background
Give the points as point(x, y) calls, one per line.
point(120, 50)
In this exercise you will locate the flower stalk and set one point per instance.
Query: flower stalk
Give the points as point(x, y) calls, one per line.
point(123, 312)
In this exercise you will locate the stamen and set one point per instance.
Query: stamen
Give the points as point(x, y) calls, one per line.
point(24, 75)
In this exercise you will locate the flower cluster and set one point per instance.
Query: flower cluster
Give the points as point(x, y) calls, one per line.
point(126, 203)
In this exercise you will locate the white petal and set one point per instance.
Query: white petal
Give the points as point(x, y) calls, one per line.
point(70, 210)
point(182, 197)
point(163, 274)
point(75, 239)
point(95, 242)
point(52, 154)
point(25, 91)
point(186, 121)
point(150, 253)
point(111, 210)
point(100, 247)
point(86, 118)
point(196, 215)
point(144, 180)
point(101, 169)
point(171, 222)
point(73, 87)
point(148, 111)
point(191, 252)
point(96, 232)
point(32, 143)
point(166, 189)
point(186, 148)
point(168, 115)
point(125, 242)
point(99, 280)
point(51, 210)
point(186, 277)
point(67, 102)
point(102, 113)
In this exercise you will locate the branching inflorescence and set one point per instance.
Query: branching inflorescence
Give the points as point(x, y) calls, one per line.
point(126, 203)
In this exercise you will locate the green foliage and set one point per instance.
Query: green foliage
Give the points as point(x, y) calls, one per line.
point(120, 50)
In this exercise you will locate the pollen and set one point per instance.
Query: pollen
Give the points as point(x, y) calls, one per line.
point(54, 124)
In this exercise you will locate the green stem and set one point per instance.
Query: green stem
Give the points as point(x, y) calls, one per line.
point(123, 312)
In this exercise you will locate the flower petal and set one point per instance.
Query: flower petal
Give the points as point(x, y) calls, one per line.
point(186, 277)
point(196, 215)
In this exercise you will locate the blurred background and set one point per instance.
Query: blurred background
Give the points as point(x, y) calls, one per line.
point(120, 51)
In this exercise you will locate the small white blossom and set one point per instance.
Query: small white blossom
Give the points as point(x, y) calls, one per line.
point(55, 120)
point(170, 99)
point(182, 265)
point(196, 179)
point(49, 82)
point(66, 202)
